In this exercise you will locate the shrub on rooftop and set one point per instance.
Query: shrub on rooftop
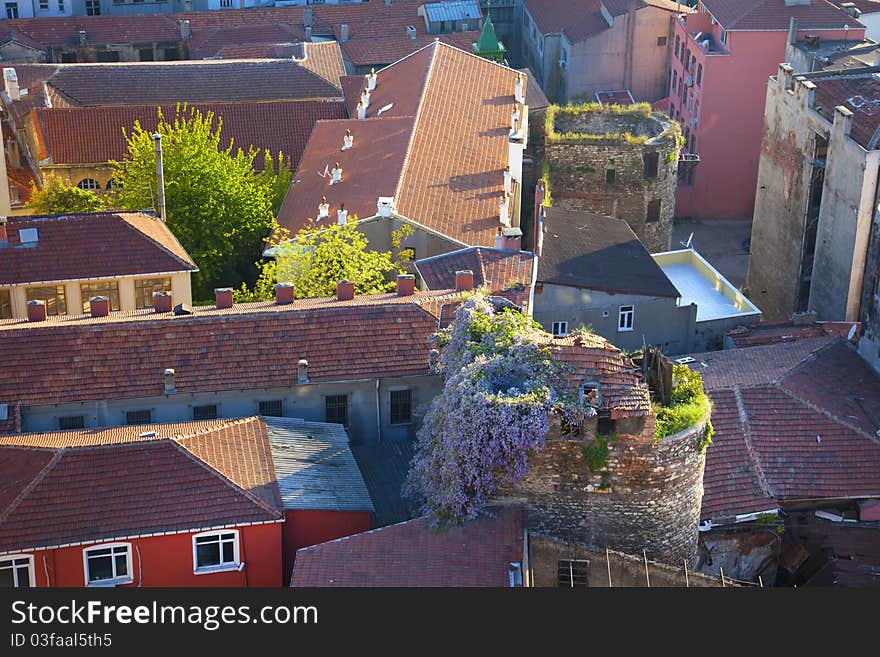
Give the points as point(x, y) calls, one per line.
point(689, 404)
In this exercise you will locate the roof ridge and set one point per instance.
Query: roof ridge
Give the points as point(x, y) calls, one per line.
point(27, 490)
point(746, 432)
point(124, 217)
point(222, 477)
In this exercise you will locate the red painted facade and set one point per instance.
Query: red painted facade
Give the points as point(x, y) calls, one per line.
point(303, 528)
point(721, 109)
point(168, 561)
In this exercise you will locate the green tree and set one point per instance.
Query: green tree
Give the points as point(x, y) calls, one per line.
point(276, 177)
point(216, 205)
point(57, 197)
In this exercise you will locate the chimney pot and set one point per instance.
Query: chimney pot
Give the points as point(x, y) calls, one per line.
point(283, 293)
point(464, 280)
point(341, 215)
point(336, 174)
point(343, 33)
point(223, 297)
point(302, 371)
point(406, 285)
point(99, 306)
point(347, 140)
point(345, 290)
point(323, 208)
point(361, 109)
point(10, 83)
point(162, 302)
point(308, 31)
point(184, 30)
point(3, 235)
point(372, 79)
point(36, 310)
point(385, 205)
point(519, 89)
point(169, 381)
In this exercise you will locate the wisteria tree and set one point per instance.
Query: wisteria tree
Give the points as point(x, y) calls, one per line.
point(501, 384)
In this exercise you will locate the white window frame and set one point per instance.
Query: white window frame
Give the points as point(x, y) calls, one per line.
point(118, 579)
point(31, 575)
point(559, 329)
point(622, 313)
point(236, 564)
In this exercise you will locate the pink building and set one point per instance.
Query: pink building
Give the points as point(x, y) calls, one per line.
point(722, 56)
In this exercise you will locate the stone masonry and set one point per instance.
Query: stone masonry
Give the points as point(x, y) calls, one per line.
point(593, 168)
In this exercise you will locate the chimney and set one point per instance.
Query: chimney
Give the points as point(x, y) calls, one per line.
point(365, 97)
point(170, 388)
point(464, 280)
point(372, 79)
point(792, 29)
point(347, 140)
point(411, 32)
point(223, 297)
point(10, 83)
point(308, 17)
point(508, 239)
point(83, 40)
point(385, 206)
point(361, 109)
point(336, 174)
point(187, 5)
point(308, 31)
point(343, 33)
point(406, 285)
point(99, 306)
point(302, 371)
point(807, 90)
point(283, 293)
point(842, 121)
point(162, 302)
point(504, 210)
point(345, 290)
point(184, 30)
point(3, 236)
point(342, 215)
point(539, 232)
point(783, 76)
point(519, 89)
point(514, 119)
point(36, 310)
point(323, 208)
point(508, 180)
point(804, 318)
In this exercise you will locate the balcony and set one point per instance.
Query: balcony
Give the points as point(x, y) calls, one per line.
point(702, 33)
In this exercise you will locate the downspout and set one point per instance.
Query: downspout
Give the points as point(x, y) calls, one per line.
point(46, 570)
point(140, 566)
point(378, 413)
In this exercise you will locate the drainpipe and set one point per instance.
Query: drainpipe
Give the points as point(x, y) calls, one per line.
point(378, 413)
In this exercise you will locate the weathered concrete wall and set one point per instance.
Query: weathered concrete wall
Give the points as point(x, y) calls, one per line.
point(646, 497)
point(659, 319)
point(626, 570)
point(744, 553)
point(869, 343)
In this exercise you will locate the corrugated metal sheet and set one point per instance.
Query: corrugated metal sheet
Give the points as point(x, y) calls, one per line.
point(315, 466)
point(452, 11)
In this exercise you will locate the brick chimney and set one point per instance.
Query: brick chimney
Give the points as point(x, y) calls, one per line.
point(170, 388)
point(10, 83)
point(345, 290)
point(36, 310)
point(283, 293)
point(302, 371)
point(464, 280)
point(509, 239)
point(99, 306)
point(3, 236)
point(223, 297)
point(162, 302)
point(406, 285)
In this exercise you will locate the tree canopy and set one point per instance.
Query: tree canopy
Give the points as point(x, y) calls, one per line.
point(219, 208)
point(58, 197)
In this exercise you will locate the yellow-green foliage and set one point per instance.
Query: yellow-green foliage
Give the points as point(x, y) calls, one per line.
point(545, 178)
point(688, 406)
point(642, 110)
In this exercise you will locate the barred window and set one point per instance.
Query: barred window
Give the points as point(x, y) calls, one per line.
point(205, 412)
point(143, 416)
point(336, 409)
point(572, 572)
point(401, 406)
point(272, 408)
point(72, 422)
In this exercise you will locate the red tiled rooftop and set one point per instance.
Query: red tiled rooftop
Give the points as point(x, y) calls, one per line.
point(217, 476)
point(497, 269)
point(858, 93)
point(415, 554)
point(381, 50)
point(767, 333)
point(94, 245)
point(775, 15)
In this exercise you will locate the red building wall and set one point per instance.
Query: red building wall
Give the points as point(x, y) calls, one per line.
point(303, 528)
point(168, 561)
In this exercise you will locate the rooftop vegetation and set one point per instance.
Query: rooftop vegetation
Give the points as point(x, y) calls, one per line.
point(639, 110)
point(688, 405)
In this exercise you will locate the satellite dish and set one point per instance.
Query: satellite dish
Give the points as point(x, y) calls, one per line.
point(852, 332)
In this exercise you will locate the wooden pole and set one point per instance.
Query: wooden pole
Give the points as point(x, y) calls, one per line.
point(760, 582)
point(686, 580)
point(647, 577)
point(570, 574)
point(608, 563)
point(721, 570)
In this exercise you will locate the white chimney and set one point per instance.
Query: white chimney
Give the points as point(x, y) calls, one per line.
point(519, 89)
point(184, 30)
point(302, 371)
point(504, 210)
point(514, 119)
point(385, 206)
point(169, 381)
point(83, 39)
point(343, 33)
point(347, 140)
point(411, 32)
point(361, 110)
point(341, 215)
point(308, 31)
point(323, 208)
point(365, 97)
point(372, 79)
point(10, 83)
point(508, 181)
point(336, 174)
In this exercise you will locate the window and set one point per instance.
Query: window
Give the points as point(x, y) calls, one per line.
point(108, 565)
point(44, 5)
point(225, 3)
point(90, 183)
point(17, 571)
point(108, 289)
point(651, 164)
point(143, 416)
point(674, 80)
point(677, 45)
point(560, 328)
point(652, 214)
point(113, 184)
point(146, 54)
point(401, 406)
point(144, 288)
point(625, 318)
point(5, 305)
point(93, 7)
point(699, 75)
point(53, 295)
point(61, 5)
point(11, 10)
point(610, 179)
point(572, 573)
point(72, 422)
point(336, 409)
point(215, 551)
point(272, 408)
point(206, 412)
point(661, 41)
point(696, 110)
point(693, 67)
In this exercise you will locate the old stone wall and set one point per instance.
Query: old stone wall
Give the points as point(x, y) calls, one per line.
point(645, 497)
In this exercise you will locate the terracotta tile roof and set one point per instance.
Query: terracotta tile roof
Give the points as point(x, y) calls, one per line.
point(776, 332)
point(414, 553)
point(124, 355)
point(383, 50)
point(211, 43)
point(452, 168)
point(100, 30)
point(95, 134)
point(324, 59)
point(494, 268)
point(261, 51)
point(216, 476)
point(858, 93)
point(534, 93)
point(775, 15)
point(555, 16)
point(95, 245)
point(599, 253)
